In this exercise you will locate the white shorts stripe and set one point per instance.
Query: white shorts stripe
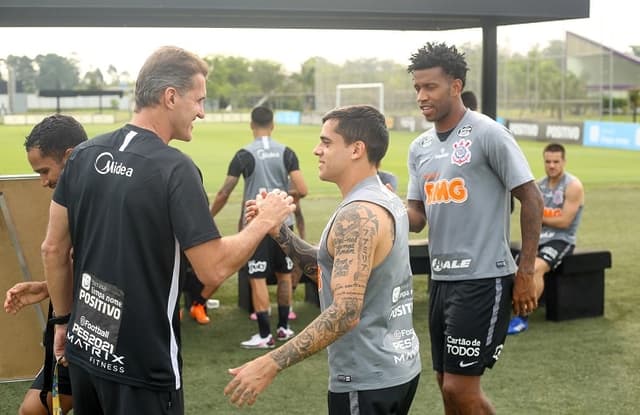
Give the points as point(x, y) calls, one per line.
point(494, 311)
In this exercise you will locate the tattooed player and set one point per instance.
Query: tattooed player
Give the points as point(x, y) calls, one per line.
point(364, 279)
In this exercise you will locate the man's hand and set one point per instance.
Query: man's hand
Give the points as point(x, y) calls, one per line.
point(524, 299)
point(59, 341)
point(250, 380)
point(268, 206)
point(250, 210)
point(24, 294)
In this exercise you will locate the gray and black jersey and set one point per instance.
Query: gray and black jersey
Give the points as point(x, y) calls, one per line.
point(264, 163)
point(464, 179)
point(553, 204)
point(383, 349)
point(134, 204)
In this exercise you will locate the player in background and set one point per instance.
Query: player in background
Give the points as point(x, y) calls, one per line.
point(265, 164)
point(563, 196)
point(48, 146)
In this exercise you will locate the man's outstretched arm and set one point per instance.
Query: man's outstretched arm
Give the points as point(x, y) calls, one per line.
point(23, 294)
point(216, 260)
point(353, 240)
point(301, 252)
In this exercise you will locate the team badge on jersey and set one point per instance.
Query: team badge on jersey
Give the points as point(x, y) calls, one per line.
point(461, 153)
point(558, 197)
point(464, 131)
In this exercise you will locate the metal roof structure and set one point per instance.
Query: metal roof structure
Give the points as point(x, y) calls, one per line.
point(328, 14)
point(601, 66)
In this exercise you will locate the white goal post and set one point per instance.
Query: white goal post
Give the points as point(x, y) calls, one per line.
point(374, 85)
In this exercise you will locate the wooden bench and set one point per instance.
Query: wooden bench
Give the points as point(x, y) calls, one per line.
point(244, 291)
point(574, 290)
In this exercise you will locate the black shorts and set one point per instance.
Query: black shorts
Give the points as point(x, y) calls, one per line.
point(267, 260)
point(192, 286)
point(64, 383)
point(98, 396)
point(394, 400)
point(468, 323)
point(553, 252)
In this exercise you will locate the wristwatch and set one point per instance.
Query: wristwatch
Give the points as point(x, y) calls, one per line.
point(59, 319)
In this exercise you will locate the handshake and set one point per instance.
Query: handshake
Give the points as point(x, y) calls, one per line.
point(274, 207)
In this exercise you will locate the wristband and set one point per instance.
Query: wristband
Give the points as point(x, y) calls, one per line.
point(60, 319)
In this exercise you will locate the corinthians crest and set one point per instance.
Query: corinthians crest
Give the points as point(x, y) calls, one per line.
point(461, 153)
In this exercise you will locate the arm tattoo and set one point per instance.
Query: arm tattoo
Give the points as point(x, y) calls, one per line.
point(300, 252)
point(354, 233)
point(354, 230)
point(328, 327)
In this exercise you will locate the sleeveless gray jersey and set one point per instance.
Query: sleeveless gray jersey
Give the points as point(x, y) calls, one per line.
point(383, 349)
point(465, 183)
point(553, 203)
point(269, 172)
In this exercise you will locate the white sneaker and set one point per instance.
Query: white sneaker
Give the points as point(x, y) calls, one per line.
point(284, 334)
point(257, 342)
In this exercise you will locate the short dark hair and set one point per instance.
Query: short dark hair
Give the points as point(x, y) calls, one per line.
point(261, 116)
point(362, 123)
point(554, 148)
point(433, 55)
point(54, 135)
point(469, 100)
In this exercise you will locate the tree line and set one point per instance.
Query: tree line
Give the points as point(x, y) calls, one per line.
point(536, 80)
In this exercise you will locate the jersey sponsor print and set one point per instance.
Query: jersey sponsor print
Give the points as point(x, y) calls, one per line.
point(446, 191)
point(96, 325)
point(403, 341)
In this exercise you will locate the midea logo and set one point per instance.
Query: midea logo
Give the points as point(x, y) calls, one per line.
point(264, 154)
point(105, 164)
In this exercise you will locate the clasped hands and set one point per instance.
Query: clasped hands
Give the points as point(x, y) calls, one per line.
point(269, 203)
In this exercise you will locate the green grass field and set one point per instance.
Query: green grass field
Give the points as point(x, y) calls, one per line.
point(586, 366)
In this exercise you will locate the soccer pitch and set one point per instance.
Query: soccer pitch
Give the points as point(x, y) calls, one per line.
point(585, 366)
point(214, 145)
